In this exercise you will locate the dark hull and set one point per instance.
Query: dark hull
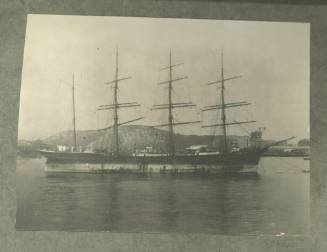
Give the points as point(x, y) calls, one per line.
point(247, 158)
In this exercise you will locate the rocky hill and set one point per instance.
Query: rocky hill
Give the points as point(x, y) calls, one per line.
point(134, 137)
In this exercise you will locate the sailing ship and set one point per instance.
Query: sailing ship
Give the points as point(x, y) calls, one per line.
point(224, 160)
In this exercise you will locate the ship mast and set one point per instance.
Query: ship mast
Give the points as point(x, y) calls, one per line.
point(115, 106)
point(223, 114)
point(171, 144)
point(223, 106)
point(115, 110)
point(74, 117)
point(171, 105)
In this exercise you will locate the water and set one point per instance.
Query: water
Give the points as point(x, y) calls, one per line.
point(275, 202)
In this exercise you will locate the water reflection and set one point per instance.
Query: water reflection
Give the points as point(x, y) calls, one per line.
point(162, 203)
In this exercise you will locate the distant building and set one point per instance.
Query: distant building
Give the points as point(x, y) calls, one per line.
point(288, 151)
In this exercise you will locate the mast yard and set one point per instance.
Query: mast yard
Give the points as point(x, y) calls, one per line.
point(171, 106)
point(223, 106)
point(115, 106)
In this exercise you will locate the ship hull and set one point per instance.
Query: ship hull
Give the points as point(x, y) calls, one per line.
point(92, 162)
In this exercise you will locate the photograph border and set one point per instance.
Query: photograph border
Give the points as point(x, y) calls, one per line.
point(13, 16)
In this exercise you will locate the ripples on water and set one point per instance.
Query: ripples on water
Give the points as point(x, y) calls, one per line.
point(276, 201)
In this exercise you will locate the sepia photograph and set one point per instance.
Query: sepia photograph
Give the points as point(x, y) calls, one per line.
point(163, 125)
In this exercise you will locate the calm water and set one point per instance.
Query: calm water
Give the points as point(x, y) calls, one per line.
point(276, 201)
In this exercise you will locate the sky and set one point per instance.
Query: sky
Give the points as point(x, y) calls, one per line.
point(273, 59)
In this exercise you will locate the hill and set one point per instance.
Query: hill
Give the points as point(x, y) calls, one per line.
point(135, 137)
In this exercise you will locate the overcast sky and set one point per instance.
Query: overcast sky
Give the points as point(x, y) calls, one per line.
point(273, 59)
